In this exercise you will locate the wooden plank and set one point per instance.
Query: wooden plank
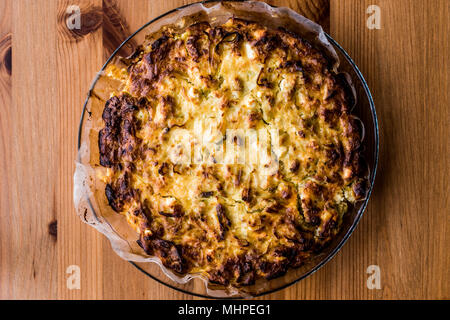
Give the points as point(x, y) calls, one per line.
point(315, 10)
point(404, 230)
point(29, 143)
point(79, 58)
point(6, 143)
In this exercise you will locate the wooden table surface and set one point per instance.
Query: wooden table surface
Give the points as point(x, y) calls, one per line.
point(46, 70)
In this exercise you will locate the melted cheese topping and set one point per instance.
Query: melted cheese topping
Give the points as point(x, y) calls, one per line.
point(192, 97)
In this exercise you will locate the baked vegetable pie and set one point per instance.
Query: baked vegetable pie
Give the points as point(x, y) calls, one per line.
point(231, 150)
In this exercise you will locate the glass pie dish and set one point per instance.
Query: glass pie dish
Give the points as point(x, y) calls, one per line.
point(89, 190)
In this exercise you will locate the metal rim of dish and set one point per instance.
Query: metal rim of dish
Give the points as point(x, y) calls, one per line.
point(372, 175)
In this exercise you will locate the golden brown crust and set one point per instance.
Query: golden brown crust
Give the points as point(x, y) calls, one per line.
point(231, 222)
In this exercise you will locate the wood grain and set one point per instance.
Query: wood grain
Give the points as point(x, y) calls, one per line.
point(29, 145)
point(46, 70)
point(6, 259)
point(405, 229)
point(79, 57)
